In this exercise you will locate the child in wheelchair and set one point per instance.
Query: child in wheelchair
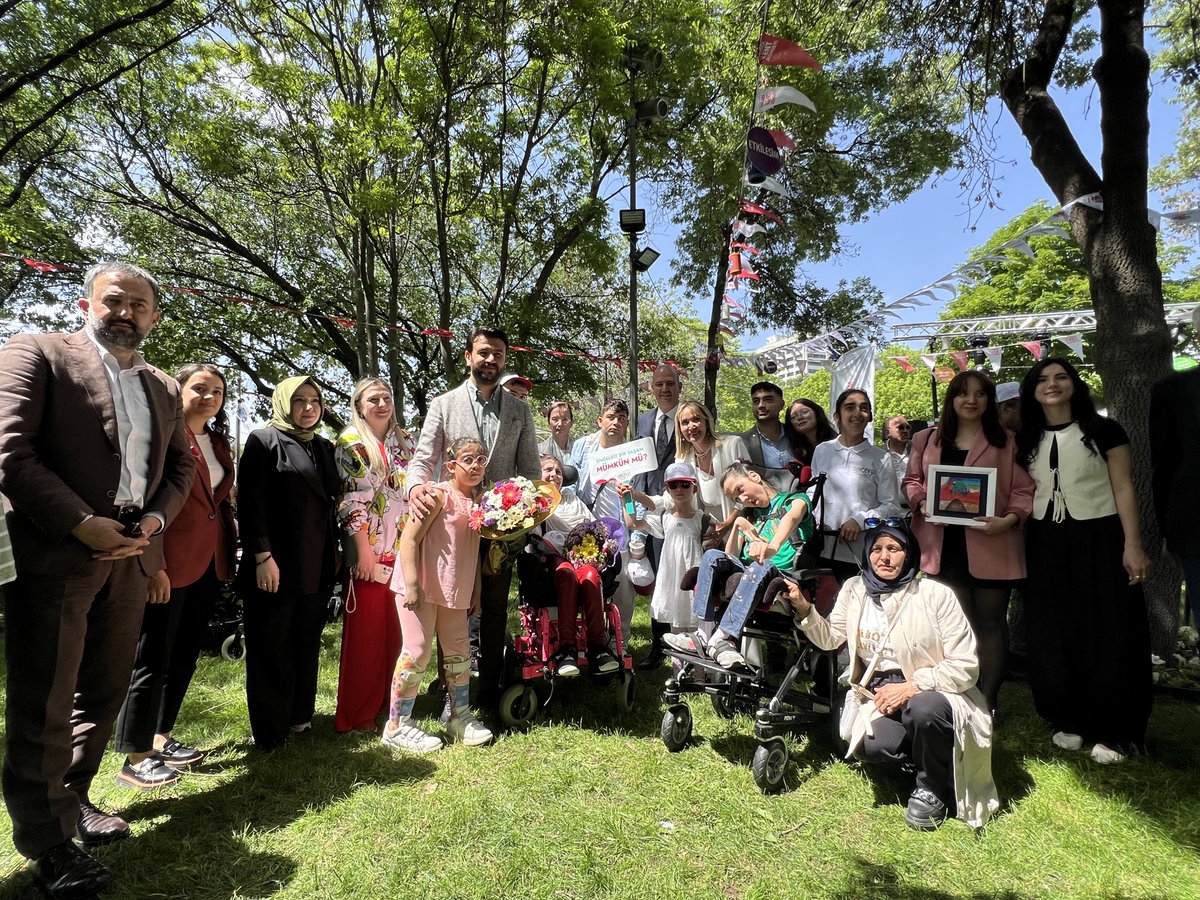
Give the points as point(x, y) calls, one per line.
point(767, 539)
point(543, 570)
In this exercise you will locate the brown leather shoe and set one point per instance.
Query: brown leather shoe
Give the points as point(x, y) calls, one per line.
point(97, 827)
point(64, 872)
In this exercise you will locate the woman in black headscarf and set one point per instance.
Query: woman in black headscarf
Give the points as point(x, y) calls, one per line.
point(913, 668)
point(287, 489)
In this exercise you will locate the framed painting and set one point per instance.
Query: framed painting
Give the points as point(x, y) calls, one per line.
point(958, 494)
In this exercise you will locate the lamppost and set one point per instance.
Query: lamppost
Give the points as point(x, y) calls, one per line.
point(638, 60)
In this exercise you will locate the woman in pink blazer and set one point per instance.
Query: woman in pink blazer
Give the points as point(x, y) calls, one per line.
point(980, 562)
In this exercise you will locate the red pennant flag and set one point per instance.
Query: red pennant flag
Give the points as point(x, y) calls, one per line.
point(43, 267)
point(777, 51)
point(741, 246)
point(961, 359)
point(782, 141)
point(904, 364)
point(1034, 347)
point(757, 210)
point(725, 329)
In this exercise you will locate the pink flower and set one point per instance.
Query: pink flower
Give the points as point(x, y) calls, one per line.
point(475, 520)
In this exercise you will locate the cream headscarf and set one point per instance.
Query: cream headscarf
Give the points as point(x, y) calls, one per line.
point(281, 407)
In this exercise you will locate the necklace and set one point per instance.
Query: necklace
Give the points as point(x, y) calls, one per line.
point(700, 455)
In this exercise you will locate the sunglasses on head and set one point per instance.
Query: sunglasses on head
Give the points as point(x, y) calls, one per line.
point(889, 521)
point(679, 485)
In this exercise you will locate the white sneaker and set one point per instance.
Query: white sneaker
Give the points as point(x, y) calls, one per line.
point(688, 642)
point(1067, 741)
point(467, 729)
point(411, 738)
point(1106, 756)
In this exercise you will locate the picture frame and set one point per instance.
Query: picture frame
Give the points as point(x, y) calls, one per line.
point(956, 495)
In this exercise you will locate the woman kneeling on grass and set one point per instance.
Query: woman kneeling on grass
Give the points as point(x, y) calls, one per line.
point(912, 672)
point(437, 586)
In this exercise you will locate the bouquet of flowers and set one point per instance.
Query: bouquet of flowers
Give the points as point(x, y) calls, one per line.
point(590, 544)
point(510, 509)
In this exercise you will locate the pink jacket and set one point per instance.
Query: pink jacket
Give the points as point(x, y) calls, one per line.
point(1000, 556)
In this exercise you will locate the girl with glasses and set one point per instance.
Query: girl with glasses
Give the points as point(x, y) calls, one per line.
point(437, 589)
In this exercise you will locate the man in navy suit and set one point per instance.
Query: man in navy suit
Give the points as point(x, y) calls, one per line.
point(658, 424)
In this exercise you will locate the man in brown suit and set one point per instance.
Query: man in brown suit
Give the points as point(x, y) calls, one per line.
point(95, 463)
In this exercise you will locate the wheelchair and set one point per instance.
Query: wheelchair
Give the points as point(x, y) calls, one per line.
point(791, 684)
point(530, 659)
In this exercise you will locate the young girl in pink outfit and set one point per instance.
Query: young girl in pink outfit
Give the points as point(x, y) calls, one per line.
point(437, 586)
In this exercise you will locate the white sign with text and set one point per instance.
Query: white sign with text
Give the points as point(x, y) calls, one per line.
point(624, 460)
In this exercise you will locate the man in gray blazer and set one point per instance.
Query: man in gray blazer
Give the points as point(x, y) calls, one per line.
point(504, 424)
point(95, 462)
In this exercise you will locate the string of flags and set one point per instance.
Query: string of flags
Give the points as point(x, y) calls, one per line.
point(945, 288)
point(767, 152)
point(962, 358)
point(46, 267)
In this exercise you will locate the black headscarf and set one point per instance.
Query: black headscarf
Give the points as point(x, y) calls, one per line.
point(875, 585)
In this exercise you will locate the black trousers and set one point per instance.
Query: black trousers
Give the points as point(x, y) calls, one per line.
point(172, 636)
point(493, 625)
point(69, 646)
point(920, 732)
point(283, 648)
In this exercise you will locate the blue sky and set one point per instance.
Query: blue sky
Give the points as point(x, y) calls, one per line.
point(908, 245)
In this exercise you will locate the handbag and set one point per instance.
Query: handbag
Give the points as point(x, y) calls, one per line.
point(859, 692)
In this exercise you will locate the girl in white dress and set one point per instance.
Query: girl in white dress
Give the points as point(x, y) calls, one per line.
point(680, 529)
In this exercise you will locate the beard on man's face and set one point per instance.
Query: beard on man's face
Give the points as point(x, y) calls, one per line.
point(125, 335)
point(483, 375)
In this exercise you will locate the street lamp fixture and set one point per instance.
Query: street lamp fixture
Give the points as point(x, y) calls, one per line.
point(647, 112)
point(633, 221)
point(644, 260)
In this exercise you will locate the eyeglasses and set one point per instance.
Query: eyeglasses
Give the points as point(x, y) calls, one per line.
point(472, 460)
point(889, 521)
point(902, 427)
point(679, 485)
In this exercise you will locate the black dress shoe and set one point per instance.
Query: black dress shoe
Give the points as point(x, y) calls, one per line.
point(925, 811)
point(96, 827)
point(653, 659)
point(180, 756)
point(64, 872)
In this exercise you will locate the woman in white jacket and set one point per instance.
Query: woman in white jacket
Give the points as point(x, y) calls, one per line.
point(913, 671)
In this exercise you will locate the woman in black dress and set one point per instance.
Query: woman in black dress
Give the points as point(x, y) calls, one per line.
point(1085, 613)
point(287, 490)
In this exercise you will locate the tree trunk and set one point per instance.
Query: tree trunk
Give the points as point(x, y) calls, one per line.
point(712, 358)
point(1132, 347)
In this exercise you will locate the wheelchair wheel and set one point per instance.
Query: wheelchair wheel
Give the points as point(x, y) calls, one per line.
point(518, 705)
point(233, 647)
point(627, 696)
point(769, 765)
point(676, 727)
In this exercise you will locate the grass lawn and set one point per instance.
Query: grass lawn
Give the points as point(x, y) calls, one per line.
point(588, 803)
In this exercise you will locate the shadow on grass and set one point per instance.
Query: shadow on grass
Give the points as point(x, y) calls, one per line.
point(1163, 785)
point(198, 846)
point(872, 880)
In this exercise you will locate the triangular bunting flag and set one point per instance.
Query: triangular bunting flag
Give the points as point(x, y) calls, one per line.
point(782, 141)
point(930, 359)
point(961, 359)
point(1034, 347)
point(994, 356)
point(770, 97)
point(904, 364)
point(1074, 342)
point(777, 51)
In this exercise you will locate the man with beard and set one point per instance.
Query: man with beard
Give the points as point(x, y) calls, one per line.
point(95, 462)
point(770, 449)
point(504, 425)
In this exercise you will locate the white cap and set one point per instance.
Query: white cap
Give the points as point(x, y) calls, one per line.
point(1009, 390)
